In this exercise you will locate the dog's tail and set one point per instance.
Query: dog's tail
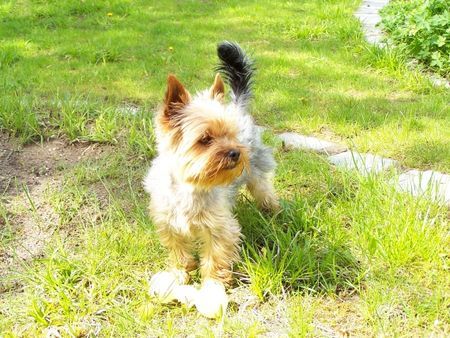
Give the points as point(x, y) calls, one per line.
point(237, 69)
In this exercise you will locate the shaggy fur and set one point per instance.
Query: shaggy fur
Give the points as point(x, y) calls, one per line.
point(207, 149)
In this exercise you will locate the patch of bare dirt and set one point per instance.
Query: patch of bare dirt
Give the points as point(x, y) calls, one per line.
point(27, 221)
point(336, 317)
point(30, 164)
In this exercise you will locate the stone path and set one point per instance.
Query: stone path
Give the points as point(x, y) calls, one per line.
point(368, 14)
point(433, 184)
point(294, 140)
point(430, 184)
point(365, 164)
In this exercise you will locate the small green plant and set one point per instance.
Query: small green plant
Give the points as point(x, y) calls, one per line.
point(8, 56)
point(71, 115)
point(422, 30)
point(18, 115)
point(141, 136)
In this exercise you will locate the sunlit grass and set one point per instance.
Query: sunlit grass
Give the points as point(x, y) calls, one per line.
point(338, 235)
point(346, 252)
point(315, 73)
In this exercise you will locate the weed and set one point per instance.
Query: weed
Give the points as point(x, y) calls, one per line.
point(421, 30)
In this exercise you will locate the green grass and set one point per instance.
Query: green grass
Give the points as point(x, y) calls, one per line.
point(347, 253)
point(338, 235)
point(64, 64)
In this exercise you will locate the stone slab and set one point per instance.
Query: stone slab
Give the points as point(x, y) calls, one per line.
point(368, 17)
point(371, 7)
point(439, 81)
point(428, 183)
point(366, 10)
point(374, 4)
point(365, 164)
point(374, 39)
point(367, 13)
point(297, 141)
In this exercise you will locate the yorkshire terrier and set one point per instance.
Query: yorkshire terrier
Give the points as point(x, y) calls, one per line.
point(207, 148)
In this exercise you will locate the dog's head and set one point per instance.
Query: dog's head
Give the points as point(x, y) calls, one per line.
point(202, 134)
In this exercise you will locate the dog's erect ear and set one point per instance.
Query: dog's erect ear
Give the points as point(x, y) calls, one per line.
point(217, 90)
point(176, 97)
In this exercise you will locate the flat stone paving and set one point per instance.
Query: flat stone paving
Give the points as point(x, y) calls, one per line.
point(365, 164)
point(367, 13)
point(297, 141)
point(430, 184)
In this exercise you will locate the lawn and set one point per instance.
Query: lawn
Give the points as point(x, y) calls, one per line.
point(346, 255)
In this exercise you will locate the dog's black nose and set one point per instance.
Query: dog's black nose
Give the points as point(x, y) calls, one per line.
point(234, 154)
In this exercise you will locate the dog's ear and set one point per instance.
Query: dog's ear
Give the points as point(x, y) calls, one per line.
point(217, 90)
point(176, 97)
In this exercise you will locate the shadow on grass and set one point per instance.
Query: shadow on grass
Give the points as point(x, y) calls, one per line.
point(292, 251)
point(301, 247)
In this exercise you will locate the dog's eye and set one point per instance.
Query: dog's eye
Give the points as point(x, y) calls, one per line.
point(205, 140)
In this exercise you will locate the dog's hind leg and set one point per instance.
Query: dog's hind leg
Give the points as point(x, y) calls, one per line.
point(259, 181)
point(261, 188)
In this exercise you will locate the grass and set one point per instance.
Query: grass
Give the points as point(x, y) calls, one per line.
point(347, 254)
point(64, 65)
point(338, 236)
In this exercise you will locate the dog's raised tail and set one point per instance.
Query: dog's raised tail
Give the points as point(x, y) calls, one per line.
point(237, 69)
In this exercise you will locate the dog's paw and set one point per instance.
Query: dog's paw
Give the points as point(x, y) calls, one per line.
point(185, 294)
point(211, 300)
point(162, 284)
point(271, 204)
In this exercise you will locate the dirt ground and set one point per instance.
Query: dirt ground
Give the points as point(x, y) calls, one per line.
point(26, 219)
point(30, 164)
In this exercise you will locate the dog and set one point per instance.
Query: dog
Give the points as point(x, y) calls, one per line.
point(206, 149)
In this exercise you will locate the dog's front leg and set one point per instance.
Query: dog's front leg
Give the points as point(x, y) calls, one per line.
point(181, 261)
point(219, 250)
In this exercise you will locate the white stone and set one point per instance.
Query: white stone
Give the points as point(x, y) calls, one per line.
point(369, 18)
point(366, 10)
point(364, 163)
point(428, 183)
point(438, 81)
point(367, 13)
point(297, 141)
point(374, 39)
point(374, 3)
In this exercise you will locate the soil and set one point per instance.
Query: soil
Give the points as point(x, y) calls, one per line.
point(28, 165)
point(27, 221)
